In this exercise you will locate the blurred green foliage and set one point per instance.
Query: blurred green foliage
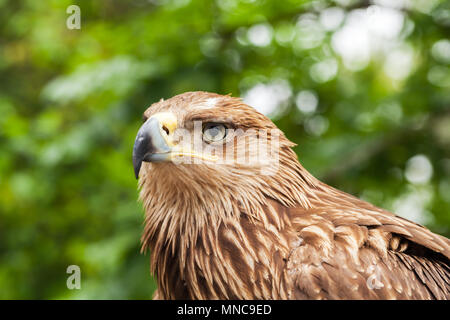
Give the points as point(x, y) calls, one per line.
point(363, 89)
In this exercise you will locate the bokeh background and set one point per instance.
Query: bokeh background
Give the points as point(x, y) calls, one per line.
point(363, 88)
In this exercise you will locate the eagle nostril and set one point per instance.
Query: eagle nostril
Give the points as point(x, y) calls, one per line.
point(165, 129)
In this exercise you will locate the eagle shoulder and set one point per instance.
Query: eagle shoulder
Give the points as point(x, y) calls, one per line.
point(362, 252)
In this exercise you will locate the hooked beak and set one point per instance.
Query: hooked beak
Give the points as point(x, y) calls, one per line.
point(152, 144)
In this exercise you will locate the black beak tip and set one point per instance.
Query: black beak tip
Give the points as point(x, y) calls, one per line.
point(137, 163)
point(139, 150)
point(137, 168)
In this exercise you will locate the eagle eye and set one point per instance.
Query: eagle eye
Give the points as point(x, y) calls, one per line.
point(214, 132)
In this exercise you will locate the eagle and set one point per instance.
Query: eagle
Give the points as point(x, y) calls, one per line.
point(224, 220)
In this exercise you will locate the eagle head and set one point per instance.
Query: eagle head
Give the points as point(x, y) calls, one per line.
point(211, 144)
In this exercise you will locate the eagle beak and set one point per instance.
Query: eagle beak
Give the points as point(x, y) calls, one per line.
point(152, 142)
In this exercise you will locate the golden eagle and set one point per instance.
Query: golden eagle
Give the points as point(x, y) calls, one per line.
point(224, 222)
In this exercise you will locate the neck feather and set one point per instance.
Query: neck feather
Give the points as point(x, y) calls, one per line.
point(187, 214)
